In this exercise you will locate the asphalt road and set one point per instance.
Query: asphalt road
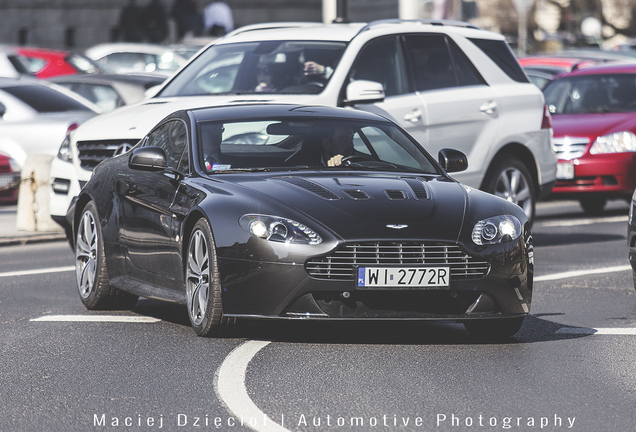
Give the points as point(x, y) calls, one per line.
point(571, 367)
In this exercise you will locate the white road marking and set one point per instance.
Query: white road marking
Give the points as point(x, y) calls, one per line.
point(575, 273)
point(37, 271)
point(589, 221)
point(597, 331)
point(97, 318)
point(230, 386)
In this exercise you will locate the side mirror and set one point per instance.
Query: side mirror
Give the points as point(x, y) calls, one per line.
point(363, 91)
point(153, 158)
point(452, 160)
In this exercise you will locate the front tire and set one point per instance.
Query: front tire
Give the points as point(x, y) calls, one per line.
point(90, 267)
point(510, 179)
point(203, 284)
point(493, 329)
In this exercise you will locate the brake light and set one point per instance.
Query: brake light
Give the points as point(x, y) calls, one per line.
point(546, 123)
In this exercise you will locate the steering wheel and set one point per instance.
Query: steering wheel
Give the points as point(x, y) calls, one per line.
point(354, 159)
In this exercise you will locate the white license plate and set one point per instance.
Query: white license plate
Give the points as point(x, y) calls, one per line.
point(403, 277)
point(565, 171)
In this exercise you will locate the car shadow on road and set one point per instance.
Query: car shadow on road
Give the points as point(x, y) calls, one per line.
point(534, 329)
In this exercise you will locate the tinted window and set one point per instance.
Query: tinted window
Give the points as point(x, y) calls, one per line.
point(172, 138)
point(592, 94)
point(382, 61)
point(44, 99)
point(500, 53)
point(255, 67)
point(467, 74)
point(432, 62)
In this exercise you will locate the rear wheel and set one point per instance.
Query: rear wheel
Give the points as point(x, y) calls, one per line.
point(203, 285)
point(510, 179)
point(90, 267)
point(493, 329)
point(593, 205)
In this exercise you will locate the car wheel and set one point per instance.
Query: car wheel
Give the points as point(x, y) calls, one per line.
point(493, 329)
point(510, 179)
point(90, 267)
point(203, 285)
point(593, 205)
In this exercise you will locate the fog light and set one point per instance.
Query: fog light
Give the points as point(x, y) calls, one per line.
point(61, 186)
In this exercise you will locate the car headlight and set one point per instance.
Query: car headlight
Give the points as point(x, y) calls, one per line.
point(65, 153)
point(619, 142)
point(497, 229)
point(279, 229)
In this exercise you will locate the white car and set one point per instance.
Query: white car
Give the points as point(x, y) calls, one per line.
point(123, 57)
point(448, 84)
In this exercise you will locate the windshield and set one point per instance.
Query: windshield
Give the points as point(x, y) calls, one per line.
point(592, 94)
point(309, 144)
point(278, 67)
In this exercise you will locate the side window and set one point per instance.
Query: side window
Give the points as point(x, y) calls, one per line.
point(500, 53)
point(432, 62)
point(467, 73)
point(172, 137)
point(382, 61)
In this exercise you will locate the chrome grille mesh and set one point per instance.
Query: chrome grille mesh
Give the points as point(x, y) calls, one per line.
point(341, 264)
point(92, 153)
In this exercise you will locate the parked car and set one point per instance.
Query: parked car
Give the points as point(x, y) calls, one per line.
point(35, 116)
point(448, 84)
point(43, 63)
point(299, 212)
point(594, 124)
point(9, 179)
point(542, 69)
point(631, 236)
point(125, 57)
point(110, 91)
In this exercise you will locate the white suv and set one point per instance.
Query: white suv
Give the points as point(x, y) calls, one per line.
point(449, 84)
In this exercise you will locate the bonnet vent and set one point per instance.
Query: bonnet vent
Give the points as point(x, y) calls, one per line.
point(357, 194)
point(395, 194)
point(418, 188)
point(310, 186)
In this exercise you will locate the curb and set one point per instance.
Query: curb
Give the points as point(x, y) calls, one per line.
point(30, 239)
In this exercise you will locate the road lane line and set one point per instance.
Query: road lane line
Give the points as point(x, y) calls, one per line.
point(230, 387)
point(96, 318)
point(589, 221)
point(37, 271)
point(575, 273)
point(597, 331)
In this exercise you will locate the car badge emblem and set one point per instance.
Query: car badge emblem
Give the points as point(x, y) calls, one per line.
point(394, 226)
point(124, 148)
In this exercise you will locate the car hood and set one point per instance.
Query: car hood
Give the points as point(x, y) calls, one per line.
point(592, 125)
point(370, 206)
point(135, 121)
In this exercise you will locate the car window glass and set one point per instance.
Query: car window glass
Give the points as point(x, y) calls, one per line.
point(382, 61)
point(467, 74)
point(500, 53)
point(125, 61)
point(279, 67)
point(44, 99)
point(172, 138)
point(103, 96)
point(592, 94)
point(432, 62)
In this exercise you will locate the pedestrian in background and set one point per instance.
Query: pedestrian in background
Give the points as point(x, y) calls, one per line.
point(188, 19)
point(156, 22)
point(218, 19)
point(131, 23)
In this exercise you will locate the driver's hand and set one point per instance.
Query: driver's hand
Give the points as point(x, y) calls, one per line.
point(335, 161)
point(313, 68)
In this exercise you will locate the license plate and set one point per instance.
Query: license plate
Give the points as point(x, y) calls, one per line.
point(565, 171)
point(403, 277)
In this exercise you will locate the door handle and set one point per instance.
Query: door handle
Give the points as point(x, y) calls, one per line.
point(414, 116)
point(488, 107)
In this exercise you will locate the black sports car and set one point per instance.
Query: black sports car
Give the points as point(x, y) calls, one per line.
point(299, 212)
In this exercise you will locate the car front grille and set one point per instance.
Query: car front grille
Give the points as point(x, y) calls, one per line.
point(93, 152)
point(342, 263)
point(569, 148)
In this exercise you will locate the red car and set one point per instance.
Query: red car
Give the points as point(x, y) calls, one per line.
point(9, 180)
point(46, 63)
point(594, 122)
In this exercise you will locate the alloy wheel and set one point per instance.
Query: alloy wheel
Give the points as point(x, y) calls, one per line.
point(513, 186)
point(198, 277)
point(86, 255)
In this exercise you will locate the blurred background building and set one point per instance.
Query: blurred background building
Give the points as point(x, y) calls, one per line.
point(530, 25)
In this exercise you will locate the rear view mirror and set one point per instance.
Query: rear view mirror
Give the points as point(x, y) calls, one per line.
point(153, 158)
point(452, 160)
point(363, 91)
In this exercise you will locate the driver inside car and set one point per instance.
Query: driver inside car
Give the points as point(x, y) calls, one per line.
point(338, 146)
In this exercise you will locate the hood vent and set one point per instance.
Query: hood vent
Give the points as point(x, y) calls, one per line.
point(357, 194)
point(310, 186)
point(395, 194)
point(418, 187)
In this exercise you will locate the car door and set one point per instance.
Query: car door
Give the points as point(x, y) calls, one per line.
point(149, 220)
point(462, 110)
point(382, 60)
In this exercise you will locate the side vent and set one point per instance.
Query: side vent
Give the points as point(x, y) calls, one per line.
point(357, 194)
point(418, 187)
point(310, 187)
point(395, 194)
